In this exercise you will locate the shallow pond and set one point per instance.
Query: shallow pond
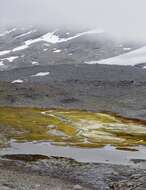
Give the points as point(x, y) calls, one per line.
point(77, 131)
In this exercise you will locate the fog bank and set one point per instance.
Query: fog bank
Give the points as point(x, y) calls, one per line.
point(124, 18)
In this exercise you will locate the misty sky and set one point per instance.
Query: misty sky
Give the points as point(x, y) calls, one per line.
point(119, 17)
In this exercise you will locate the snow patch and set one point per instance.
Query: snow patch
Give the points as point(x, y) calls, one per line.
point(19, 48)
point(45, 49)
point(79, 35)
point(126, 49)
point(47, 45)
point(91, 62)
point(131, 58)
point(49, 38)
point(4, 52)
point(57, 50)
point(1, 63)
point(7, 32)
point(41, 74)
point(35, 63)
point(17, 81)
point(11, 59)
point(25, 34)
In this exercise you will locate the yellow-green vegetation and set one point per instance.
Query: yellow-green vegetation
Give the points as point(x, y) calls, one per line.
point(70, 127)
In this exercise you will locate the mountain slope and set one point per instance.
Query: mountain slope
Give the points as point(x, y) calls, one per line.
point(25, 47)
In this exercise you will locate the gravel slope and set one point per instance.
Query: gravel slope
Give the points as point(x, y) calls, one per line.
point(117, 89)
point(21, 172)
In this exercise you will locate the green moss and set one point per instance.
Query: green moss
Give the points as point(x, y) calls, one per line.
point(71, 127)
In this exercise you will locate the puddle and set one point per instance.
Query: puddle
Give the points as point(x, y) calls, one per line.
point(107, 154)
point(84, 136)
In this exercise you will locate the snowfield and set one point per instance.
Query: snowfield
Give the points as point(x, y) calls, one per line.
point(132, 58)
point(33, 46)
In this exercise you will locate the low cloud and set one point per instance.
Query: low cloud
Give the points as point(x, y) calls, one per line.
point(124, 18)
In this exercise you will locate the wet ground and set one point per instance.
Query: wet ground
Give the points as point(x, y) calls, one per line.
point(76, 128)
